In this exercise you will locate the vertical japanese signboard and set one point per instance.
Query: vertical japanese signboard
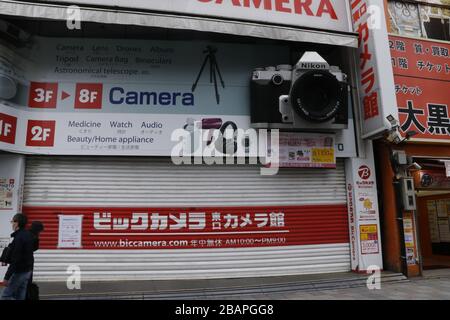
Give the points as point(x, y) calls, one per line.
point(422, 84)
point(363, 212)
point(375, 74)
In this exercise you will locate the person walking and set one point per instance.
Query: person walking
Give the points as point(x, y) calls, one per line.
point(33, 290)
point(20, 260)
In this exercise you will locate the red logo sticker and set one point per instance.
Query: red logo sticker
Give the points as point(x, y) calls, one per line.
point(88, 96)
point(41, 133)
point(43, 95)
point(8, 126)
point(364, 172)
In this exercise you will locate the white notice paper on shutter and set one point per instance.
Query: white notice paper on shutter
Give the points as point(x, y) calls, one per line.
point(69, 232)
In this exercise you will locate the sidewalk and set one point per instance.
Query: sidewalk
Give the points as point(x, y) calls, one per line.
point(244, 288)
point(434, 285)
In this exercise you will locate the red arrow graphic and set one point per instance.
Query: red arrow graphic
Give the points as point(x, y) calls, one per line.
point(64, 95)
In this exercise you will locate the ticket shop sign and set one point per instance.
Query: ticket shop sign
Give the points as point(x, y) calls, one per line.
point(422, 82)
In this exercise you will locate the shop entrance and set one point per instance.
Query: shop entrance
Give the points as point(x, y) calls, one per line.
point(433, 205)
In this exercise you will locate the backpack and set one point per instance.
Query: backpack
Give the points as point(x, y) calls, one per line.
point(6, 255)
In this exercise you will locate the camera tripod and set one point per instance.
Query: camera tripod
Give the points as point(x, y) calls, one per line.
point(213, 68)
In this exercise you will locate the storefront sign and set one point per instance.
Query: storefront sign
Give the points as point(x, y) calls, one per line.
point(375, 75)
point(431, 179)
point(307, 150)
point(422, 80)
point(195, 228)
point(322, 14)
point(104, 97)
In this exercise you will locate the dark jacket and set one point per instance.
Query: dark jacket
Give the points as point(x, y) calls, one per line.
point(22, 248)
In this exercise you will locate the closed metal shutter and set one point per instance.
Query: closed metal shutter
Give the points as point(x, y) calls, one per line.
point(53, 182)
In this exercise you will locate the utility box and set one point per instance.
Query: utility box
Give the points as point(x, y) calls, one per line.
point(408, 193)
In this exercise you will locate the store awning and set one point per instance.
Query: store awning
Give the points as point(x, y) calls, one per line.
point(171, 21)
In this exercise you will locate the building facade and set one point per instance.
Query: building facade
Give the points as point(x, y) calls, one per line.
point(415, 185)
point(97, 103)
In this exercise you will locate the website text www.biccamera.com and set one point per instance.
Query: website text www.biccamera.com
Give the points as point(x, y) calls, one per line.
point(125, 243)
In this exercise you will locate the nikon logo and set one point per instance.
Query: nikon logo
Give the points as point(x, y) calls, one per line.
point(312, 65)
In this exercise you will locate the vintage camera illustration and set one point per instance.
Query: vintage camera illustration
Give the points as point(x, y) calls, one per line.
point(310, 96)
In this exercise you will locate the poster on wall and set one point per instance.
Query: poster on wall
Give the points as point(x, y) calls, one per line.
point(441, 207)
point(409, 239)
point(422, 78)
point(369, 239)
point(433, 221)
point(444, 229)
point(6, 193)
point(70, 231)
point(303, 150)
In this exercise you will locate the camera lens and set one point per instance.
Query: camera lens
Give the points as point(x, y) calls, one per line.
point(315, 96)
point(277, 79)
point(8, 87)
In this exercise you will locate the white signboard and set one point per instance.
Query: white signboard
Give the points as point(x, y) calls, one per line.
point(376, 79)
point(69, 231)
point(364, 220)
point(127, 97)
point(321, 14)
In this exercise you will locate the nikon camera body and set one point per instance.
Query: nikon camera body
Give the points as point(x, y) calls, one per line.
point(310, 96)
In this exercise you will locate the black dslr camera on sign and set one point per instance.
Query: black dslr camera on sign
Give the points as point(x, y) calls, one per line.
point(309, 96)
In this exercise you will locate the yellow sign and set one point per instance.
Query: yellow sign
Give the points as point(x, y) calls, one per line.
point(369, 229)
point(323, 155)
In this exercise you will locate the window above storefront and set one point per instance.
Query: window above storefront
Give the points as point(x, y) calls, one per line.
point(424, 19)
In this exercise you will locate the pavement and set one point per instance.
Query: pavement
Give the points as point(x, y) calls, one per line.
point(213, 289)
point(433, 285)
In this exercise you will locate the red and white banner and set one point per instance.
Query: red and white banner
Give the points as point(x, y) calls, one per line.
point(422, 84)
point(376, 82)
point(194, 228)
